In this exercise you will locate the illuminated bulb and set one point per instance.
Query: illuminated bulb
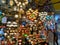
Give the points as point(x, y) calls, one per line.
point(15, 0)
point(35, 20)
point(16, 16)
point(15, 8)
point(21, 6)
point(11, 33)
point(13, 37)
point(24, 17)
point(24, 4)
point(11, 2)
point(31, 42)
point(19, 43)
point(5, 34)
point(3, 1)
point(9, 22)
point(3, 13)
point(19, 3)
point(14, 23)
point(8, 36)
point(30, 9)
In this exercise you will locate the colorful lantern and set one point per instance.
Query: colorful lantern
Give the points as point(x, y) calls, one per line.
point(24, 23)
point(25, 35)
point(32, 14)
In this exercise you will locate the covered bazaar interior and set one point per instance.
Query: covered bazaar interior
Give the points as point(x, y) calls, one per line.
point(29, 22)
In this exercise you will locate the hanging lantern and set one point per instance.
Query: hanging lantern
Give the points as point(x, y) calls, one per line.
point(32, 14)
point(21, 11)
point(16, 16)
point(25, 35)
point(24, 23)
point(15, 8)
point(3, 1)
point(11, 2)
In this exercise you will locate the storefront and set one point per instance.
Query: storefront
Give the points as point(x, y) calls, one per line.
point(27, 26)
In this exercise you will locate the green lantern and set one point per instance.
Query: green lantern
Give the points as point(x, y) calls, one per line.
point(25, 35)
point(32, 16)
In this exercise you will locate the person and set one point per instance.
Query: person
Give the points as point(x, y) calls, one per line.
point(43, 36)
point(55, 37)
point(50, 37)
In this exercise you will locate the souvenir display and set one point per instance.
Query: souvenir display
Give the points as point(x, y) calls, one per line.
point(25, 22)
point(50, 22)
point(42, 16)
point(32, 14)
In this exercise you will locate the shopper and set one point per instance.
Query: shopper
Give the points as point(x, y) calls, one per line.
point(55, 37)
point(50, 37)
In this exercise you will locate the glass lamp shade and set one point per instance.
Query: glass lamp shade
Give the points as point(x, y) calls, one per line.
point(3, 1)
point(11, 2)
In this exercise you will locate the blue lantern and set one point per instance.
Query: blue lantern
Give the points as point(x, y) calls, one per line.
point(1, 33)
point(24, 23)
point(4, 20)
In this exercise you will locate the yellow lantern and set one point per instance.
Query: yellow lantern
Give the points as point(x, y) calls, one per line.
point(11, 2)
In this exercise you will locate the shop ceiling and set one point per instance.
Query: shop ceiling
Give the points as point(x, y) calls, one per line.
point(56, 5)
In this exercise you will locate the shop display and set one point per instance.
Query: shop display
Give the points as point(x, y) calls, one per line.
point(32, 14)
point(42, 16)
point(48, 17)
point(11, 25)
point(24, 23)
point(50, 23)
